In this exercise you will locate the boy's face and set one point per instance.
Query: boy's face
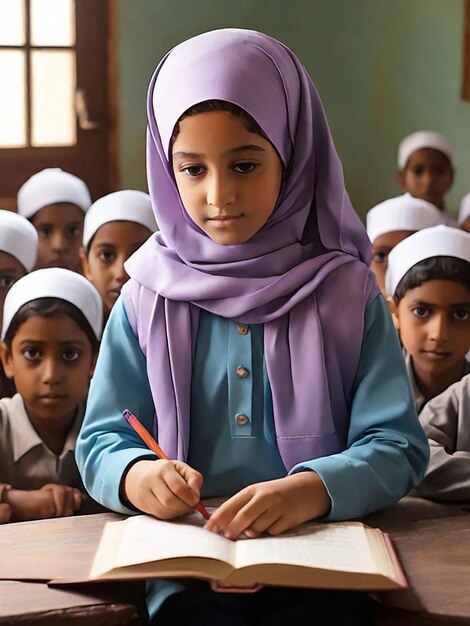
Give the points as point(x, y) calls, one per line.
point(60, 230)
point(51, 363)
point(10, 271)
point(111, 245)
point(428, 175)
point(381, 248)
point(228, 178)
point(434, 325)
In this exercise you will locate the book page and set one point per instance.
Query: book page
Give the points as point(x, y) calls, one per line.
point(143, 539)
point(341, 546)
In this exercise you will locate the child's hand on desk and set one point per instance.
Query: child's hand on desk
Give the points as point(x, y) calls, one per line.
point(273, 506)
point(165, 489)
point(51, 500)
point(65, 500)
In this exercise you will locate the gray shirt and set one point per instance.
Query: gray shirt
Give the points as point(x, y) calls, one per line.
point(25, 460)
point(446, 421)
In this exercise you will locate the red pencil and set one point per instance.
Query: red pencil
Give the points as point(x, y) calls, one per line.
point(153, 445)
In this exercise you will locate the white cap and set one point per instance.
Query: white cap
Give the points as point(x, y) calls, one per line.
point(425, 244)
point(402, 213)
point(51, 186)
point(19, 238)
point(128, 205)
point(423, 139)
point(55, 282)
point(464, 211)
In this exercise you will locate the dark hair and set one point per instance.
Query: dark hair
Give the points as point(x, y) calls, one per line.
point(208, 106)
point(44, 307)
point(435, 268)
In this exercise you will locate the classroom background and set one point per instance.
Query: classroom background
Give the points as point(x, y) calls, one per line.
point(393, 66)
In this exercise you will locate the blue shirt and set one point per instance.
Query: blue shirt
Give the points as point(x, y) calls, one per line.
point(232, 440)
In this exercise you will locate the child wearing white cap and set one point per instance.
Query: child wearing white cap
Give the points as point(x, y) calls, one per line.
point(55, 202)
point(52, 324)
point(428, 283)
point(425, 168)
point(393, 220)
point(18, 252)
point(464, 213)
point(115, 227)
point(445, 420)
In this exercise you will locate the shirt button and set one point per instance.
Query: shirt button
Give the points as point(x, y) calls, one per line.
point(242, 329)
point(241, 419)
point(242, 372)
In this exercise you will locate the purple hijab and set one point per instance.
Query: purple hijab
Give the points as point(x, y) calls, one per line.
point(304, 274)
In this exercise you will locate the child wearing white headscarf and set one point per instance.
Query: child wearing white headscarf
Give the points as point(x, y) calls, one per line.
point(428, 284)
point(425, 167)
point(115, 226)
point(55, 202)
point(393, 220)
point(52, 323)
point(18, 252)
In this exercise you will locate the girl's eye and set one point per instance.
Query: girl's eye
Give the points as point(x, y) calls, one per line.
point(7, 281)
point(380, 257)
point(244, 168)
point(71, 355)
point(462, 315)
point(421, 311)
point(106, 257)
point(74, 231)
point(44, 231)
point(193, 170)
point(417, 171)
point(31, 354)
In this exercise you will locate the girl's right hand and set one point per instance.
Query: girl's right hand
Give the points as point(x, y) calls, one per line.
point(165, 489)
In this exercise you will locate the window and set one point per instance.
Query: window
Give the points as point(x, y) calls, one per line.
point(54, 109)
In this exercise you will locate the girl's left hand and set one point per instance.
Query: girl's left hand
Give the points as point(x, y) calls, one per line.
point(273, 506)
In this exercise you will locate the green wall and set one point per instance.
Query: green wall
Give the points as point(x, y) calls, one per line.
point(384, 68)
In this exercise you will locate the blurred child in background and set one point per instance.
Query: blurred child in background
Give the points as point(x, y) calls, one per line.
point(115, 227)
point(18, 252)
point(390, 222)
point(55, 202)
point(426, 170)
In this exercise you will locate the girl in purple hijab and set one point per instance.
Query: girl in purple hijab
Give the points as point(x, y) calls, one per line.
point(251, 337)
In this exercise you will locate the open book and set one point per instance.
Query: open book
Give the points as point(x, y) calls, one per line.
point(343, 555)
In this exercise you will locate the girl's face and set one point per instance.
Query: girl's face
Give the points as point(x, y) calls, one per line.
point(51, 362)
point(112, 244)
point(428, 175)
point(60, 230)
point(434, 325)
point(10, 271)
point(228, 178)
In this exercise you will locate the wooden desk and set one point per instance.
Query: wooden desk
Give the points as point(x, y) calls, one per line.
point(36, 604)
point(433, 542)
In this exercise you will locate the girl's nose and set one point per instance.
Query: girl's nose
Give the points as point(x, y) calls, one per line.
point(220, 190)
point(52, 371)
point(59, 241)
point(438, 328)
point(120, 275)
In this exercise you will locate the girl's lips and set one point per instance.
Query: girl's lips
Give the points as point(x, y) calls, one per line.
point(224, 220)
point(435, 355)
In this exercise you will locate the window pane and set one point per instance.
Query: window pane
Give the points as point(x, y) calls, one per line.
point(53, 93)
point(52, 22)
point(12, 29)
point(13, 107)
